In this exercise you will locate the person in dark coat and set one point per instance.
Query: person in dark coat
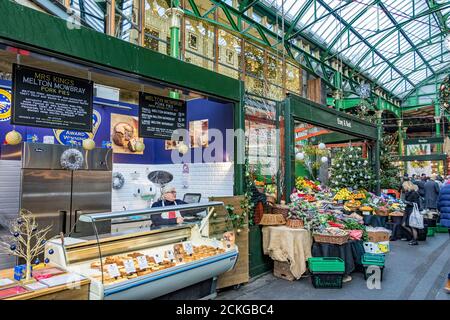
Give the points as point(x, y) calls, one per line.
point(168, 198)
point(443, 205)
point(411, 197)
point(431, 193)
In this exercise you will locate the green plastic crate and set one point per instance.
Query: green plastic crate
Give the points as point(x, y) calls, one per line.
point(431, 231)
point(370, 259)
point(326, 264)
point(441, 229)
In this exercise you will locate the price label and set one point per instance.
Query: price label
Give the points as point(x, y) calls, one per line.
point(188, 248)
point(158, 258)
point(170, 255)
point(142, 262)
point(113, 270)
point(129, 266)
point(216, 243)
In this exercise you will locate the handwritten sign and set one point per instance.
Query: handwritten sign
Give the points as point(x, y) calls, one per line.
point(188, 247)
point(170, 255)
point(158, 258)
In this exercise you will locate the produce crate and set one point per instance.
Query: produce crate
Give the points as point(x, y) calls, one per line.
point(441, 229)
point(326, 238)
point(282, 269)
point(372, 260)
point(422, 234)
point(378, 236)
point(431, 231)
point(331, 280)
point(326, 264)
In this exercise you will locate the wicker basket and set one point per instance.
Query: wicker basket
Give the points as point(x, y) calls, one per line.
point(326, 238)
point(382, 212)
point(295, 223)
point(271, 199)
point(282, 209)
point(396, 214)
point(272, 220)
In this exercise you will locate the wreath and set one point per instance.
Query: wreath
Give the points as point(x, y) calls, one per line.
point(444, 93)
point(72, 159)
point(118, 180)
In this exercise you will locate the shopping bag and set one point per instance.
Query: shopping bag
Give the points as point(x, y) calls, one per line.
point(416, 219)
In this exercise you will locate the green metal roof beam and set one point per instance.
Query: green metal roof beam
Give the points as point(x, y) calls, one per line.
point(395, 28)
point(297, 18)
point(424, 43)
point(246, 4)
point(349, 24)
point(438, 16)
point(297, 32)
point(326, 6)
point(427, 80)
point(389, 15)
point(195, 8)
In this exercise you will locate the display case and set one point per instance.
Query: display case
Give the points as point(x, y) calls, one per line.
point(141, 261)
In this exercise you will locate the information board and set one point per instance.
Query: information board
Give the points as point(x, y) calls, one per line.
point(160, 116)
point(46, 99)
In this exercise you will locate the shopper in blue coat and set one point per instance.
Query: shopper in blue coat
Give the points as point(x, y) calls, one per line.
point(444, 205)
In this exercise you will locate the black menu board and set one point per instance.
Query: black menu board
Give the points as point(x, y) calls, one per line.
point(46, 99)
point(160, 116)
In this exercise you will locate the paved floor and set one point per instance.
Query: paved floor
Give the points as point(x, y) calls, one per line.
point(411, 273)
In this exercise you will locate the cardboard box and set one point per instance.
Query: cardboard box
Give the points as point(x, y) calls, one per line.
point(378, 236)
point(377, 247)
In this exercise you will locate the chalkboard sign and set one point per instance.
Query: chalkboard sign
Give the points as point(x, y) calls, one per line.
point(46, 99)
point(160, 116)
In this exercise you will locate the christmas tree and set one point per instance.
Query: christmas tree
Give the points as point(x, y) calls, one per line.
point(390, 177)
point(350, 170)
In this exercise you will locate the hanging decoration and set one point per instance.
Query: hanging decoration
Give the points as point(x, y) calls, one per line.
point(72, 159)
point(13, 137)
point(324, 159)
point(88, 144)
point(300, 156)
point(321, 146)
point(118, 180)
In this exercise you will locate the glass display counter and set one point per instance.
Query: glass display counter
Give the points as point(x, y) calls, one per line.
point(139, 261)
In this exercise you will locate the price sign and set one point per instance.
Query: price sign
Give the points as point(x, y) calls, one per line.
point(142, 262)
point(129, 266)
point(158, 258)
point(188, 248)
point(170, 255)
point(113, 270)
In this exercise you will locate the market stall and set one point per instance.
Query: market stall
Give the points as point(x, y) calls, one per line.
point(87, 137)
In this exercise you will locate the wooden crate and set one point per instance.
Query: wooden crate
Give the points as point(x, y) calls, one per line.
point(282, 269)
point(217, 227)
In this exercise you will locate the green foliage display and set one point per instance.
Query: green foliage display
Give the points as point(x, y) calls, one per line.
point(390, 176)
point(350, 170)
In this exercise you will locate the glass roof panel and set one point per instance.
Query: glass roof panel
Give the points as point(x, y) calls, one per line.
point(390, 29)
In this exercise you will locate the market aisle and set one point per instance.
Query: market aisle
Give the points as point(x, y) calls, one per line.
point(412, 272)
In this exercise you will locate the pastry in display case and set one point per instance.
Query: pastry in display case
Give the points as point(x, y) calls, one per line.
point(142, 263)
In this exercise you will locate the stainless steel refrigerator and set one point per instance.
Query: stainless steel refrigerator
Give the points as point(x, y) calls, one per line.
point(58, 196)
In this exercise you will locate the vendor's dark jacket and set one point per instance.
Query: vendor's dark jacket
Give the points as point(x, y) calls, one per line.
point(444, 205)
point(157, 220)
point(421, 184)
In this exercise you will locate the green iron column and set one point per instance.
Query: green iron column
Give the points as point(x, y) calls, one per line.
point(175, 13)
point(437, 119)
point(337, 94)
point(376, 157)
point(400, 137)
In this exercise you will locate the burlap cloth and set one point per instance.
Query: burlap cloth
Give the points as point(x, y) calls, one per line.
point(287, 244)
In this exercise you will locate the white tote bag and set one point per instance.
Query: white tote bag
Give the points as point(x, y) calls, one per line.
point(416, 219)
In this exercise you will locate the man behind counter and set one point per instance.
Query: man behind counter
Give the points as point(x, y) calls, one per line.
point(169, 198)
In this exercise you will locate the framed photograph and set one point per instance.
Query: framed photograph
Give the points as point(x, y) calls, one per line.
point(229, 56)
point(193, 41)
point(124, 134)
